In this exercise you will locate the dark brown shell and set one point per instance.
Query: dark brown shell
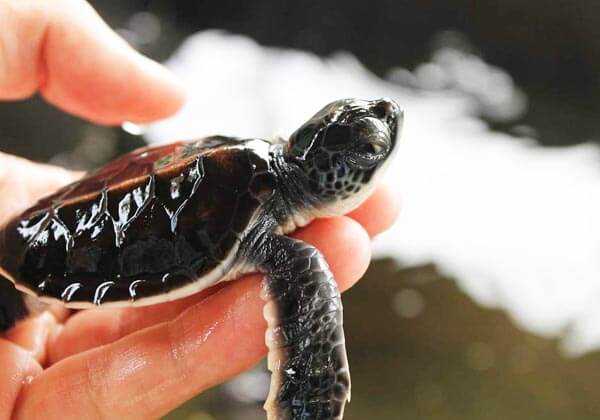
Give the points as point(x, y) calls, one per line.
point(155, 221)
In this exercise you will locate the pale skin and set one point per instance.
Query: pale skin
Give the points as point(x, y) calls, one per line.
point(142, 362)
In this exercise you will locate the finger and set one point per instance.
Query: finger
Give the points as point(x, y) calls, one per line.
point(345, 245)
point(63, 49)
point(17, 366)
point(378, 212)
point(33, 333)
point(23, 190)
point(96, 327)
point(342, 240)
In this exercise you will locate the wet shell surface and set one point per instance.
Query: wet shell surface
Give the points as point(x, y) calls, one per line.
point(156, 224)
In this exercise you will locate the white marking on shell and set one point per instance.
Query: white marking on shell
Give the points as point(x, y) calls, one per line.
point(69, 291)
point(124, 220)
point(101, 291)
point(30, 233)
point(134, 284)
point(60, 230)
point(176, 185)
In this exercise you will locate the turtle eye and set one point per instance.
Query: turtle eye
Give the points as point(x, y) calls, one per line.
point(371, 148)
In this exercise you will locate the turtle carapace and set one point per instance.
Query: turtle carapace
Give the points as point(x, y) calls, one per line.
point(161, 223)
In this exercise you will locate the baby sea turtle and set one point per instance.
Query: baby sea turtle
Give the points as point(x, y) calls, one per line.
point(164, 222)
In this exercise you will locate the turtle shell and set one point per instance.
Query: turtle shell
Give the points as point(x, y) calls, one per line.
point(156, 224)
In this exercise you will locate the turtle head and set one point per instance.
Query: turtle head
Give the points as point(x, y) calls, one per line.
point(343, 149)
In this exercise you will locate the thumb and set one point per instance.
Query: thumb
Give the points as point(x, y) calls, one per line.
point(24, 182)
point(64, 50)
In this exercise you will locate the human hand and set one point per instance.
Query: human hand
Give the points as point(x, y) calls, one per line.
point(132, 362)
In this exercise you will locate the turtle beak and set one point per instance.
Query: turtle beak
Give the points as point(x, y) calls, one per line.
point(391, 115)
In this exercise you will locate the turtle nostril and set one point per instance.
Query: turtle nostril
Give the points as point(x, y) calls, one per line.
point(386, 110)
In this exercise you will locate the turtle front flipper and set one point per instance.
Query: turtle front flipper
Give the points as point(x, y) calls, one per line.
point(307, 353)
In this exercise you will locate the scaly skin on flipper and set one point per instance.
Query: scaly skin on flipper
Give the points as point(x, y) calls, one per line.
point(307, 353)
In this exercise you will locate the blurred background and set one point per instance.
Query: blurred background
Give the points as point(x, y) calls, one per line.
point(481, 302)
